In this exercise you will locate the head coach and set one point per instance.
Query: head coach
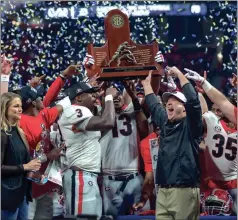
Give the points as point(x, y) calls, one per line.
point(177, 173)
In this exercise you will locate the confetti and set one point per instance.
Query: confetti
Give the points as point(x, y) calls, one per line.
point(49, 45)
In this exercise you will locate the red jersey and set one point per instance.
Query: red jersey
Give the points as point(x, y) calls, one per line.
point(145, 151)
point(37, 129)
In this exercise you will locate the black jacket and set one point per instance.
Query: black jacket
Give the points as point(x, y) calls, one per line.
point(178, 156)
point(14, 185)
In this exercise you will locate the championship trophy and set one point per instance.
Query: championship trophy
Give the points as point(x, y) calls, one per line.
point(121, 58)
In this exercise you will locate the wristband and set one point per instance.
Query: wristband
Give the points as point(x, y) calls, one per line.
point(5, 78)
point(62, 77)
point(108, 98)
point(206, 86)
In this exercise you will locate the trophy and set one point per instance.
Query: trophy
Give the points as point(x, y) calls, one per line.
point(36, 176)
point(121, 58)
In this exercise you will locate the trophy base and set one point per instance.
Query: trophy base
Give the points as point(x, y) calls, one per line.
point(126, 73)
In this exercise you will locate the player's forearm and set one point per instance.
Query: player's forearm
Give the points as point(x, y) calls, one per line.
point(155, 84)
point(106, 120)
point(220, 100)
point(182, 79)
point(203, 103)
point(4, 87)
point(109, 114)
point(148, 187)
point(141, 120)
point(142, 124)
point(147, 89)
point(4, 83)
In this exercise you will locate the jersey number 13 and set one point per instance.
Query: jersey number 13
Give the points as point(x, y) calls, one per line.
point(127, 130)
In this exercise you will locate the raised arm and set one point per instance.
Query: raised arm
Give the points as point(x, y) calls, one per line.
point(106, 120)
point(57, 85)
point(192, 106)
point(6, 66)
point(155, 83)
point(203, 103)
point(227, 108)
point(157, 111)
point(141, 120)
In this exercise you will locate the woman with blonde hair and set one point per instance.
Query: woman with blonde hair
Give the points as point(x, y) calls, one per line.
point(15, 161)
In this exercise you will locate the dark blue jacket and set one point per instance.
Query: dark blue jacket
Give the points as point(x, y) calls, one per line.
point(178, 156)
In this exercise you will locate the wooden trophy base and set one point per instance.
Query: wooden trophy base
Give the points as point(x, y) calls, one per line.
point(127, 73)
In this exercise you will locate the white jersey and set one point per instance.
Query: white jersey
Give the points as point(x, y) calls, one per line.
point(83, 148)
point(221, 150)
point(120, 152)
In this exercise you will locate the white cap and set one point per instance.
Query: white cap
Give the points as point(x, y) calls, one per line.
point(177, 94)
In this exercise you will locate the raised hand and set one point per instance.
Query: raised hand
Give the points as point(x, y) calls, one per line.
point(173, 71)
point(72, 70)
point(111, 91)
point(88, 61)
point(93, 80)
point(147, 80)
point(194, 76)
point(170, 85)
point(159, 58)
point(89, 65)
point(36, 81)
point(198, 86)
point(6, 65)
point(130, 88)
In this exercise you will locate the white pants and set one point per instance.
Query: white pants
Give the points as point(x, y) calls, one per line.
point(82, 194)
point(45, 207)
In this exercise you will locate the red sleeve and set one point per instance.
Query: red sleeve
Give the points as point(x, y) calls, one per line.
point(50, 114)
point(53, 91)
point(30, 130)
point(145, 153)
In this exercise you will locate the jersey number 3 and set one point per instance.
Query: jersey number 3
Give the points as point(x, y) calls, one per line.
point(79, 113)
point(126, 122)
point(229, 146)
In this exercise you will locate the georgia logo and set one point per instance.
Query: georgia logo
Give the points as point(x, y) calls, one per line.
point(28, 101)
point(42, 126)
point(90, 183)
point(117, 21)
point(154, 143)
point(217, 128)
point(79, 90)
point(107, 188)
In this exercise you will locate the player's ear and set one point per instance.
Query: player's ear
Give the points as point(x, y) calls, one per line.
point(78, 98)
point(34, 103)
